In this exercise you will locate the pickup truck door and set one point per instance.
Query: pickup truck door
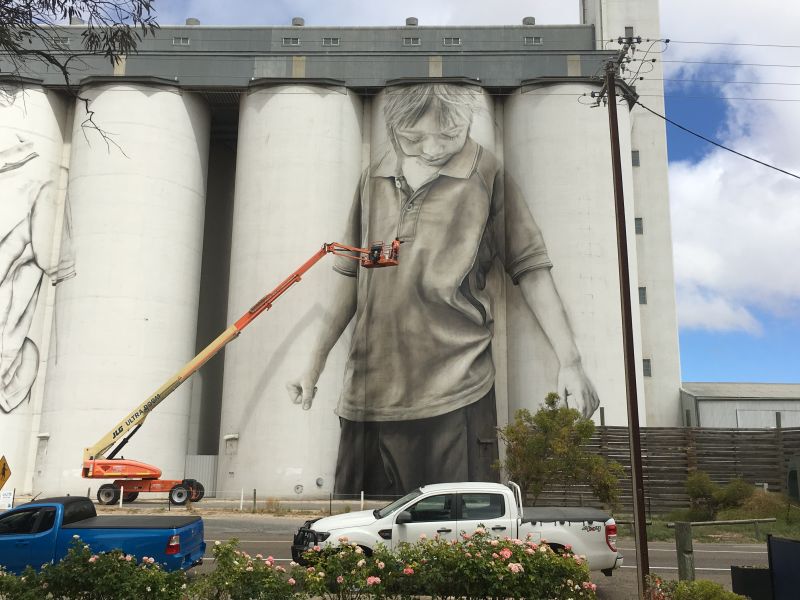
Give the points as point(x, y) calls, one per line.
point(488, 510)
point(432, 515)
point(23, 542)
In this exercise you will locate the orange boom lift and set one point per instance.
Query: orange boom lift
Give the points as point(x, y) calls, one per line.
point(132, 476)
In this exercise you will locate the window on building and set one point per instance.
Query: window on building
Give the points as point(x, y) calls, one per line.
point(635, 158)
point(330, 41)
point(642, 295)
point(180, 41)
point(411, 41)
point(291, 41)
point(451, 41)
point(533, 40)
point(647, 368)
point(638, 225)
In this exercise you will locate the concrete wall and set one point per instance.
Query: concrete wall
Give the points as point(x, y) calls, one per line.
point(127, 320)
point(570, 191)
point(32, 165)
point(299, 162)
point(651, 204)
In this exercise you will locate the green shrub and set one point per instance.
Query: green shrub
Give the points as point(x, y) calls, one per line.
point(701, 589)
point(706, 498)
point(735, 493)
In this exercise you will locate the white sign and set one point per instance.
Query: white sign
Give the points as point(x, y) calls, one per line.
point(7, 500)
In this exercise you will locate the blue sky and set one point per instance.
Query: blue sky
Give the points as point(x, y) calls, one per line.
point(736, 225)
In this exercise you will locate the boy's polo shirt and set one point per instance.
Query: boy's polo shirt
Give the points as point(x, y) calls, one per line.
point(423, 329)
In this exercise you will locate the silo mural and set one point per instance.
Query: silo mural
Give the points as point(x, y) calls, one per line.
point(395, 367)
point(298, 163)
point(127, 321)
point(31, 208)
point(568, 188)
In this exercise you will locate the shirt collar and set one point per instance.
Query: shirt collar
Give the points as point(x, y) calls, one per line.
point(461, 166)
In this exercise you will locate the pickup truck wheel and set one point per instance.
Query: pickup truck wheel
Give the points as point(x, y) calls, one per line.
point(107, 494)
point(198, 492)
point(130, 496)
point(179, 495)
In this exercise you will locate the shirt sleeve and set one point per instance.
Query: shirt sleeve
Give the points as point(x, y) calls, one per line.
point(352, 233)
point(520, 244)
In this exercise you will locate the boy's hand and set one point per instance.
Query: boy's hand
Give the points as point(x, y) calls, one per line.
point(576, 390)
point(302, 390)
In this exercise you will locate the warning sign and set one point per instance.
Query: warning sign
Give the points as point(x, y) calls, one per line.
point(5, 471)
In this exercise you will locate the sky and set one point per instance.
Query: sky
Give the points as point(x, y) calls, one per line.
point(735, 223)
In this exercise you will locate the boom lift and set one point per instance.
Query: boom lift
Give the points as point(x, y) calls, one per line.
point(132, 477)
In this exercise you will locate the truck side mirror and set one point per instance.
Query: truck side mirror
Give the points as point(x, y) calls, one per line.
point(404, 517)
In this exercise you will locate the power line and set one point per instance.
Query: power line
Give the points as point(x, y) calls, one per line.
point(710, 141)
point(671, 41)
point(735, 64)
point(718, 81)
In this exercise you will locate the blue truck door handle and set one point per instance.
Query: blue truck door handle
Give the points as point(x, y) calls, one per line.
point(443, 530)
point(22, 544)
point(498, 528)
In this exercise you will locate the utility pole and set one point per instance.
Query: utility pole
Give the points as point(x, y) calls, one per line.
point(639, 521)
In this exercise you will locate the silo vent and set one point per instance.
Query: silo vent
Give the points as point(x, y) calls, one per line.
point(412, 22)
point(192, 21)
point(298, 21)
point(529, 21)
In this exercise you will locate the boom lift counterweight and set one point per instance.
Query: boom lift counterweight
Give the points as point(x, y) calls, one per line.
point(131, 476)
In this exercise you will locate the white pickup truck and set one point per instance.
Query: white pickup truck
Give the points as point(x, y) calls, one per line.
point(448, 509)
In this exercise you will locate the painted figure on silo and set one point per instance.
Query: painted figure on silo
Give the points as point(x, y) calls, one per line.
point(27, 214)
point(418, 402)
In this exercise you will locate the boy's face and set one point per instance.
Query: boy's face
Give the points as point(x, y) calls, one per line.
point(430, 141)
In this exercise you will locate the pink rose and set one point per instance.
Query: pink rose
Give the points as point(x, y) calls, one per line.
point(371, 580)
point(408, 571)
point(505, 553)
point(291, 581)
point(340, 580)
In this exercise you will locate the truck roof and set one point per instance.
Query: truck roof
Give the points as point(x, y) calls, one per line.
point(463, 486)
point(56, 500)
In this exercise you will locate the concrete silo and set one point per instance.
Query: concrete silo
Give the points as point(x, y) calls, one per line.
point(32, 169)
point(298, 166)
point(127, 320)
point(557, 152)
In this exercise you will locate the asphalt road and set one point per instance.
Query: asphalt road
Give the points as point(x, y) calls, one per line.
point(271, 536)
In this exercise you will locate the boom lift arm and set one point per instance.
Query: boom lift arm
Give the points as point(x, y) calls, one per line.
point(95, 462)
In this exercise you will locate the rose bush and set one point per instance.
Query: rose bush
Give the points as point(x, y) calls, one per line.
point(82, 575)
point(476, 566)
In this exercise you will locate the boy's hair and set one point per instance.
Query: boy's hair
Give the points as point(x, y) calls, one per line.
point(406, 104)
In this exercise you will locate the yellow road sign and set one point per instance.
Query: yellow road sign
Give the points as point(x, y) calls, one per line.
point(5, 471)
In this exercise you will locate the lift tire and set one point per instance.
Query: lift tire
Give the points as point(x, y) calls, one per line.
point(130, 497)
point(179, 495)
point(107, 494)
point(198, 492)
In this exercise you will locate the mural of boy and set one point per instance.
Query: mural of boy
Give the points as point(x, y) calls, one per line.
point(418, 401)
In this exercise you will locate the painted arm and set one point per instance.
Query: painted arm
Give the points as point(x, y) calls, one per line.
point(342, 308)
point(542, 298)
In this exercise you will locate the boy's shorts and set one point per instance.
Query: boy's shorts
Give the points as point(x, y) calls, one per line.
point(390, 458)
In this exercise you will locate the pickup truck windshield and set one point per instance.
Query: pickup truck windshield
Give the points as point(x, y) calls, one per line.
point(390, 508)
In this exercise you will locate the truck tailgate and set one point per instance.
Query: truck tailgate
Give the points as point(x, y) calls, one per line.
point(141, 536)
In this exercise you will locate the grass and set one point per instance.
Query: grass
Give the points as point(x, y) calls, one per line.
point(761, 505)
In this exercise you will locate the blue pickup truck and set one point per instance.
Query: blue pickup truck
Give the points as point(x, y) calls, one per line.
point(41, 532)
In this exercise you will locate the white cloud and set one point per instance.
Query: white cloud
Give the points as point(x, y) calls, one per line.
point(736, 224)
